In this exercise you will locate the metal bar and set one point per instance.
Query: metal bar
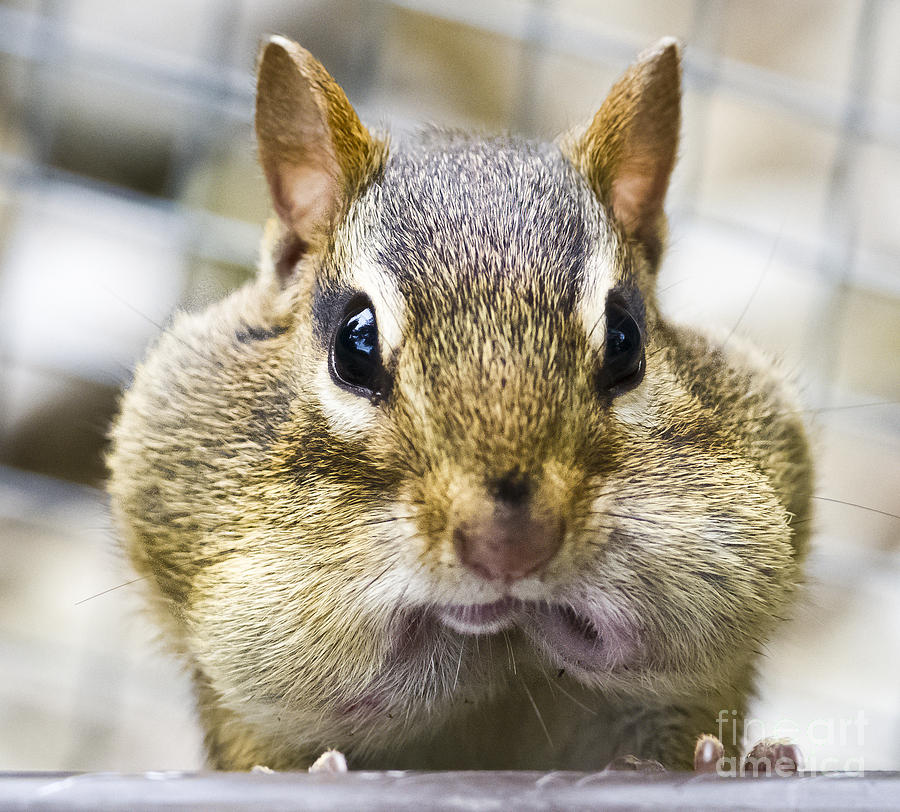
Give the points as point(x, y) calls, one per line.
point(231, 91)
point(836, 263)
point(770, 88)
point(524, 791)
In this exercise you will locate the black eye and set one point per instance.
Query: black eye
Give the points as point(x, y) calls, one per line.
point(355, 361)
point(623, 365)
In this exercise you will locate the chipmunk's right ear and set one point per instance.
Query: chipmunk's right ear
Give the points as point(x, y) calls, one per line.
point(313, 148)
point(628, 151)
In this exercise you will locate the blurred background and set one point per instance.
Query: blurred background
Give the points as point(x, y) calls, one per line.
point(129, 188)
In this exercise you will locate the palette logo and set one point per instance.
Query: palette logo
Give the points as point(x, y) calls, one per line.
point(823, 734)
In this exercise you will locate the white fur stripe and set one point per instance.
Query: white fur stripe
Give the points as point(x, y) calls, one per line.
point(591, 307)
point(370, 278)
point(349, 416)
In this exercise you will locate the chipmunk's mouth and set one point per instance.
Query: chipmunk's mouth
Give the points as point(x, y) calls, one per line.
point(589, 638)
point(481, 618)
point(576, 637)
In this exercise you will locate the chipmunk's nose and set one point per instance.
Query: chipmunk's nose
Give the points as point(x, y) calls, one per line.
point(508, 545)
point(508, 542)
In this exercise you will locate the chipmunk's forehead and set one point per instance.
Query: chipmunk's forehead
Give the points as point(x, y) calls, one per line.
point(452, 217)
point(451, 207)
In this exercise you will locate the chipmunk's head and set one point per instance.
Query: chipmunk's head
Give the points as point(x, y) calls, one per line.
point(449, 397)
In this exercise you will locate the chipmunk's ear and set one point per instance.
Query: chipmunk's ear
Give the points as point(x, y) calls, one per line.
point(628, 150)
point(312, 146)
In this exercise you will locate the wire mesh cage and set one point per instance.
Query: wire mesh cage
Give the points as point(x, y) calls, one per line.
point(129, 188)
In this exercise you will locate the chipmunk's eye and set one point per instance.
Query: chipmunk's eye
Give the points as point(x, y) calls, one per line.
point(623, 365)
point(355, 361)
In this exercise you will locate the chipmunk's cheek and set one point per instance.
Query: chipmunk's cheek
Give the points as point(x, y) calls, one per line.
point(587, 638)
point(413, 636)
point(349, 416)
point(263, 638)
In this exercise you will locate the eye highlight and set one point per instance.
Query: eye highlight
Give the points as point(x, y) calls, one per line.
point(355, 359)
point(623, 363)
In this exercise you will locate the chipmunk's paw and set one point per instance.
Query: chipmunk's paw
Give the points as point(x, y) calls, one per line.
point(331, 761)
point(635, 764)
point(708, 754)
point(262, 768)
point(773, 757)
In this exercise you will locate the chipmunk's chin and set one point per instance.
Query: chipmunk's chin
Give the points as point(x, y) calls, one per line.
point(584, 638)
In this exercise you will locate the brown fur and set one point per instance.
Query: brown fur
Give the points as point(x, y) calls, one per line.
point(298, 539)
point(628, 151)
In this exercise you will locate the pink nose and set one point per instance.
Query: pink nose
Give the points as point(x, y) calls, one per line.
point(508, 545)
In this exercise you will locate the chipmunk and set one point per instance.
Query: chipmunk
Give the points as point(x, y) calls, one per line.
point(441, 487)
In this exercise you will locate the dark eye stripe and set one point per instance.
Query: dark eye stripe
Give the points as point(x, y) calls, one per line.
point(250, 333)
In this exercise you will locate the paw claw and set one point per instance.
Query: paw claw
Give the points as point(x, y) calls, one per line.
point(773, 757)
point(331, 761)
point(707, 753)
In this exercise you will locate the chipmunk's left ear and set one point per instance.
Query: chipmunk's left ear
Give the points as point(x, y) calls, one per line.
point(628, 151)
point(313, 148)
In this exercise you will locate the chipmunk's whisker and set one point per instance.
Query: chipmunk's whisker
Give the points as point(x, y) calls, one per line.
point(820, 409)
point(776, 242)
point(856, 505)
point(537, 711)
point(110, 589)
